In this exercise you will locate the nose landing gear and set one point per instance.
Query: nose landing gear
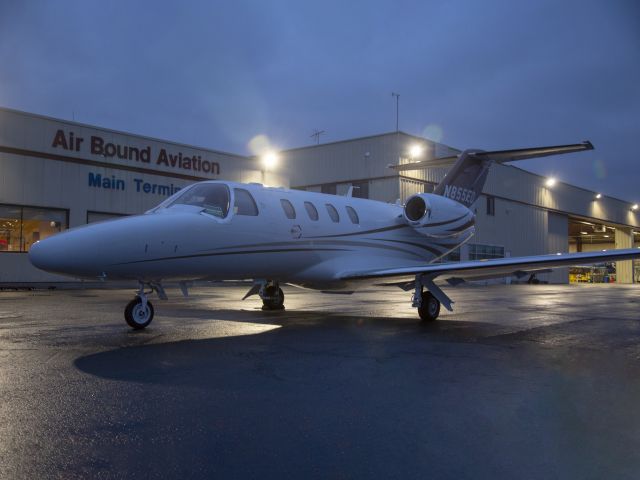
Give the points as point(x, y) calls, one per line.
point(139, 312)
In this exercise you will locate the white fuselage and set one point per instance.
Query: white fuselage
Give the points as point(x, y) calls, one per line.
point(177, 241)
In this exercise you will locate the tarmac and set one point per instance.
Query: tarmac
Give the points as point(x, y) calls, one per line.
point(520, 381)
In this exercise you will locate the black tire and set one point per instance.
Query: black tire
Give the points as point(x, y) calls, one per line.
point(135, 317)
point(429, 309)
point(276, 300)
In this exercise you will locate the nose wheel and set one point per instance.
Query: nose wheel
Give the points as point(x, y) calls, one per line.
point(139, 312)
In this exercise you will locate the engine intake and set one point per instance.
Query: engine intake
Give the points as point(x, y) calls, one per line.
point(416, 209)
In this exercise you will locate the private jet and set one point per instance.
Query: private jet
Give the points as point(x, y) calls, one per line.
point(219, 230)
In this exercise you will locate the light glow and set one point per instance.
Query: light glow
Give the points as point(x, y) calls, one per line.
point(551, 181)
point(416, 150)
point(270, 160)
point(634, 206)
point(584, 233)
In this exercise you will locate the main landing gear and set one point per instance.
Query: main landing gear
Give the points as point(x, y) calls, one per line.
point(428, 301)
point(139, 311)
point(270, 292)
point(272, 297)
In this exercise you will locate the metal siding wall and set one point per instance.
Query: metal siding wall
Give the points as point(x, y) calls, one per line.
point(558, 241)
point(384, 190)
point(521, 229)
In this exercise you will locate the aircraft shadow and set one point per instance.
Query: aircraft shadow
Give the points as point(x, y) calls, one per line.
point(314, 340)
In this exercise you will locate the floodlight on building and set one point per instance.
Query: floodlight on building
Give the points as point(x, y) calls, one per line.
point(416, 150)
point(551, 181)
point(634, 207)
point(598, 196)
point(270, 160)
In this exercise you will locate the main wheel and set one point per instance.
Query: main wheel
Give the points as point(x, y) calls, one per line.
point(275, 300)
point(429, 309)
point(136, 315)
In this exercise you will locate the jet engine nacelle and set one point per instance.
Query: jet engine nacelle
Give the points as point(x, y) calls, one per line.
point(427, 209)
point(417, 210)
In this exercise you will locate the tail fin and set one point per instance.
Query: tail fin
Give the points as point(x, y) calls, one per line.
point(464, 182)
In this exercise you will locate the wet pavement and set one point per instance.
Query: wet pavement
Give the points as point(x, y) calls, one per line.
point(525, 381)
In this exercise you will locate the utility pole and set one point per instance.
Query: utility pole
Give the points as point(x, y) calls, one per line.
point(397, 95)
point(316, 134)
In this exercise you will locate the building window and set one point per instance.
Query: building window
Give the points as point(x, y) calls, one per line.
point(243, 203)
point(312, 211)
point(21, 227)
point(361, 189)
point(491, 205)
point(483, 252)
point(289, 211)
point(333, 213)
point(353, 215)
point(329, 188)
point(94, 217)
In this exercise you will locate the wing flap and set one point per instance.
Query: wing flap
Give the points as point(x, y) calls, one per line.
point(495, 268)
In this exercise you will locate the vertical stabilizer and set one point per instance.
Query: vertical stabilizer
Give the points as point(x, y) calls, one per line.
point(464, 182)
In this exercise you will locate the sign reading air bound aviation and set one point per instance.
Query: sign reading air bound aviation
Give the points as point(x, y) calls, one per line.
point(98, 146)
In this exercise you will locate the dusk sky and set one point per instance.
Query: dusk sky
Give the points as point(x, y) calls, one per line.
point(471, 74)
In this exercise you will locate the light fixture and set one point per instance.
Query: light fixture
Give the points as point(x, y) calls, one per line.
point(634, 206)
point(551, 181)
point(270, 160)
point(598, 196)
point(584, 233)
point(415, 150)
point(606, 236)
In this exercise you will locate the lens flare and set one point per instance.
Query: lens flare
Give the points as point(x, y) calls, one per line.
point(599, 169)
point(433, 132)
point(259, 145)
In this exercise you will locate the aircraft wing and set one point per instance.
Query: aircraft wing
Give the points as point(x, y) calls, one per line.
point(495, 268)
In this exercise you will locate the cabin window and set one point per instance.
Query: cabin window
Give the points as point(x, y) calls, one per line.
point(312, 211)
point(244, 204)
point(353, 215)
point(214, 198)
point(289, 211)
point(333, 213)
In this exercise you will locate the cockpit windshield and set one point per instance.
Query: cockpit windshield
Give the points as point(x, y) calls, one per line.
point(213, 197)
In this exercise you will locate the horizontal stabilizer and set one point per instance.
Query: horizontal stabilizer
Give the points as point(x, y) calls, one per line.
point(498, 156)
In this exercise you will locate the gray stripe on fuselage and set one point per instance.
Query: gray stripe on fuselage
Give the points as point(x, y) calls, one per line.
point(241, 252)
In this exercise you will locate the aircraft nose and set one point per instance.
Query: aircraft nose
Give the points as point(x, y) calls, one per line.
point(48, 255)
point(62, 253)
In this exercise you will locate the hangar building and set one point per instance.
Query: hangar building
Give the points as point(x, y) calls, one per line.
point(57, 174)
point(518, 214)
